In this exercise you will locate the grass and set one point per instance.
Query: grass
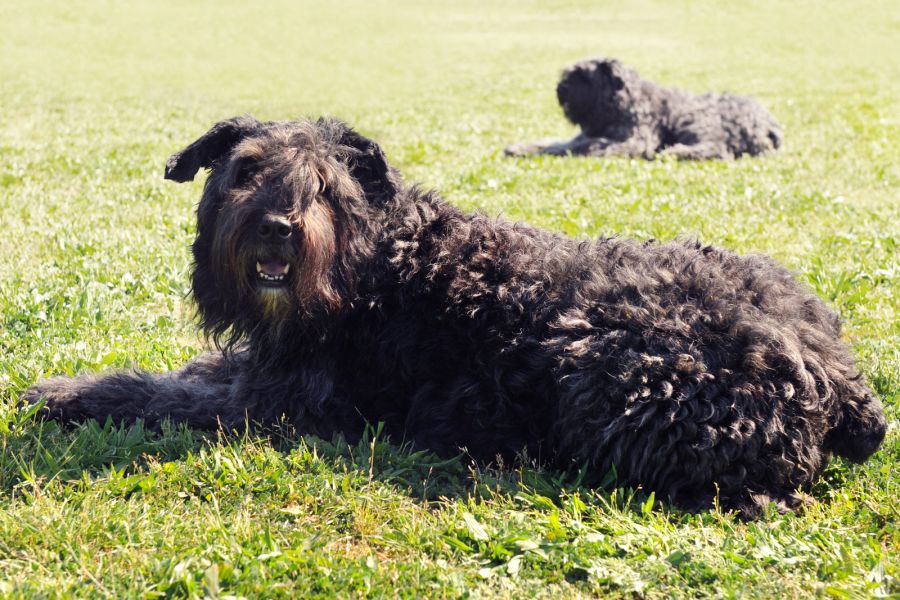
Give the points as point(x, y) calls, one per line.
point(93, 276)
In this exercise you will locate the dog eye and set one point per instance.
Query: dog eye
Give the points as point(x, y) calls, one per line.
point(244, 175)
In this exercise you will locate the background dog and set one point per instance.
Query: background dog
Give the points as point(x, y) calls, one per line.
point(621, 114)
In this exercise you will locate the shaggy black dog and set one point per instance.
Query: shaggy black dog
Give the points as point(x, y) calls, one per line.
point(621, 114)
point(340, 296)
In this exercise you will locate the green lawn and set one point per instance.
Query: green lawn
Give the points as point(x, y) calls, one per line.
point(94, 260)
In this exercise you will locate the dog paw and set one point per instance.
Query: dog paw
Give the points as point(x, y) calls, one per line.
point(524, 148)
point(516, 150)
point(60, 398)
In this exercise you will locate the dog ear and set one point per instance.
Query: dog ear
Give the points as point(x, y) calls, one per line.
point(209, 148)
point(369, 166)
point(612, 70)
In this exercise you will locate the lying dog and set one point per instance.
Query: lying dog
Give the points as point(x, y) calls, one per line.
point(340, 296)
point(621, 114)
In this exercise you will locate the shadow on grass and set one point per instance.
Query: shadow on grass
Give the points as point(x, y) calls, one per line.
point(35, 453)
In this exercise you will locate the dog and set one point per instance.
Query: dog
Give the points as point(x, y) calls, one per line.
point(621, 114)
point(337, 295)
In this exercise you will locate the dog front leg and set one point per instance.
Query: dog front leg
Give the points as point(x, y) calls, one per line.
point(584, 145)
point(546, 146)
point(198, 394)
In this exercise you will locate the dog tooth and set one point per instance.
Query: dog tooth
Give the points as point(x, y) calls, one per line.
point(286, 267)
point(258, 268)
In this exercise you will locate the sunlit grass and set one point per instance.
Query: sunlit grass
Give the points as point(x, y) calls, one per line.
point(93, 275)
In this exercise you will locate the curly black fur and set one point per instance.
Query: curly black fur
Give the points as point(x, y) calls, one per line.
point(621, 114)
point(338, 295)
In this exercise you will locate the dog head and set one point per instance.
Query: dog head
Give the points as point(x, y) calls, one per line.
point(283, 222)
point(596, 95)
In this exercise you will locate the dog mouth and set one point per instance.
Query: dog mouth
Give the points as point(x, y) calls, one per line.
point(272, 273)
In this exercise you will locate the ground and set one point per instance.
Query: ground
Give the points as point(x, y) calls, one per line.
point(93, 275)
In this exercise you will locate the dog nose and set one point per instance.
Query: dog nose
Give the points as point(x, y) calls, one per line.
point(273, 227)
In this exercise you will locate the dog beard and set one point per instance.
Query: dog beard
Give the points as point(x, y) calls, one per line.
point(274, 303)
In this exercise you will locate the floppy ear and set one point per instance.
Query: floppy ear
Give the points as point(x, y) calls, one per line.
point(212, 146)
point(612, 70)
point(369, 166)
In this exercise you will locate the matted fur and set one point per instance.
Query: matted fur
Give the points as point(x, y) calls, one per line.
point(691, 370)
point(621, 114)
